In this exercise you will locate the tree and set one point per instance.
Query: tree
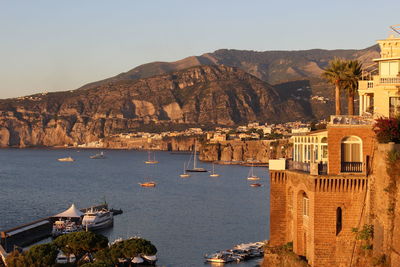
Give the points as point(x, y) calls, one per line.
point(80, 243)
point(353, 74)
point(335, 73)
point(38, 255)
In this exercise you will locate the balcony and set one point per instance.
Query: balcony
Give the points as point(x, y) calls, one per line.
point(305, 167)
point(351, 120)
point(390, 80)
point(351, 167)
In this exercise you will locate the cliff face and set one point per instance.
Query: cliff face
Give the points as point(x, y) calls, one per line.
point(296, 74)
point(199, 95)
point(260, 151)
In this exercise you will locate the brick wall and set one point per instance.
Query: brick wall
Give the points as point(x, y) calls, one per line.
point(335, 136)
point(278, 208)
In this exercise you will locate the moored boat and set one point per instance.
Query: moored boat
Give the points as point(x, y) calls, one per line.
point(67, 159)
point(97, 219)
point(195, 168)
point(213, 174)
point(252, 176)
point(256, 185)
point(151, 160)
point(98, 156)
point(184, 174)
point(148, 184)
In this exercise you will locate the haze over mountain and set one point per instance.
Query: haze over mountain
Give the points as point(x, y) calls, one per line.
point(227, 87)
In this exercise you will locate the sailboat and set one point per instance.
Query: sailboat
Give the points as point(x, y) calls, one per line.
point(149, 160)
point(251, 175)
point(184, 174)
point(195, 168)
point(213, 174)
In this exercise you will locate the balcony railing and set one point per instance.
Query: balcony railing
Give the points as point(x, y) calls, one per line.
point(352, 167)
point(351, 120)
point(305, 166)
point(390, 80)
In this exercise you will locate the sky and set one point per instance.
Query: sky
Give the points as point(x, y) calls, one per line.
point(48, 45)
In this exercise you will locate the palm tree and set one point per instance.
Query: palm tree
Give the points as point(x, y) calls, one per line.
point(335, 73)
point(353, 74)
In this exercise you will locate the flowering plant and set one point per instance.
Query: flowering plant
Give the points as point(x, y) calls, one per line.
point(387, 130)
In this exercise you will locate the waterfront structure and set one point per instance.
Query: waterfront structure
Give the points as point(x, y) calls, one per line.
point(321, 196)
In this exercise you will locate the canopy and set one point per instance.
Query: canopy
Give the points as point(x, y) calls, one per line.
point(72, 212)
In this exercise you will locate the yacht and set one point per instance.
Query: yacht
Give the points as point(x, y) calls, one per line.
point(97, 219)
point(195, 168)
point(98, 156)
point(67, 159)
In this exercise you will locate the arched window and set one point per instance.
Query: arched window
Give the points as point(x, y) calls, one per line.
point(338, 220)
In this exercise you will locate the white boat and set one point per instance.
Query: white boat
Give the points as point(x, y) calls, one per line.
point(195, 168)
point(213, 174)
point(149, 259)
point(219, 257)
point(67, 159)
point(97, 219)
point(251, 175)
point(151, 160)
point(184, 174)
point(62, 258)
point(98, 156)
point(137, 260)
point(62, 227)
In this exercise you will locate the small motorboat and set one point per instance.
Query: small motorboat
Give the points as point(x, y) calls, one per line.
point(137, 260)
point(148, 184)
point(98, 156)
point(255, 185)
point(67, 159)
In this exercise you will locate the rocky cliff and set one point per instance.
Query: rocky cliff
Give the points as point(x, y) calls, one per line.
point(213, 95)
point(296, 74)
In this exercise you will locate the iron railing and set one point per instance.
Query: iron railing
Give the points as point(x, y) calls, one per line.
point(352, 167)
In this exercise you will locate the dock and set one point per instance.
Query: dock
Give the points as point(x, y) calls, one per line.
point(27, 234)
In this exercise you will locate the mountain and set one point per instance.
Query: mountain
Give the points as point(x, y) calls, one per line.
point(214, 94)
point(295, 74)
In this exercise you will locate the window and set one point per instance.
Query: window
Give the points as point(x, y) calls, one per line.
point(338, 220)
point(305, 205)
point(351, 149)
point(394, 106)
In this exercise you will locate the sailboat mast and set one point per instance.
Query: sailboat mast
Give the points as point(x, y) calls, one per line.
point(194, 159)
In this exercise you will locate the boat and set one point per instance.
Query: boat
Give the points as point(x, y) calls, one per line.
point(148, 184)
point(62, 227)
point(255, 185)
point(219, 257)
point(195, 168)
point(150, 259)
point(184, 174)
point(97, 219)
point(67, 159)
point(137, 260)
point(149, 159)
point(251, 175)
point(213, 174)
point(98, 156)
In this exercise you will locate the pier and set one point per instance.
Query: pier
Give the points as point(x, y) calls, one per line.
point(27, 234)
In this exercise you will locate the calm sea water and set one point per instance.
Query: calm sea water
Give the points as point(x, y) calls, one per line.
point(184, 218)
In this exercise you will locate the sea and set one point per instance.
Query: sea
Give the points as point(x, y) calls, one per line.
point(184, 218)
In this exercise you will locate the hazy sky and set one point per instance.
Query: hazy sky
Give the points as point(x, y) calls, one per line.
point(49, 45)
